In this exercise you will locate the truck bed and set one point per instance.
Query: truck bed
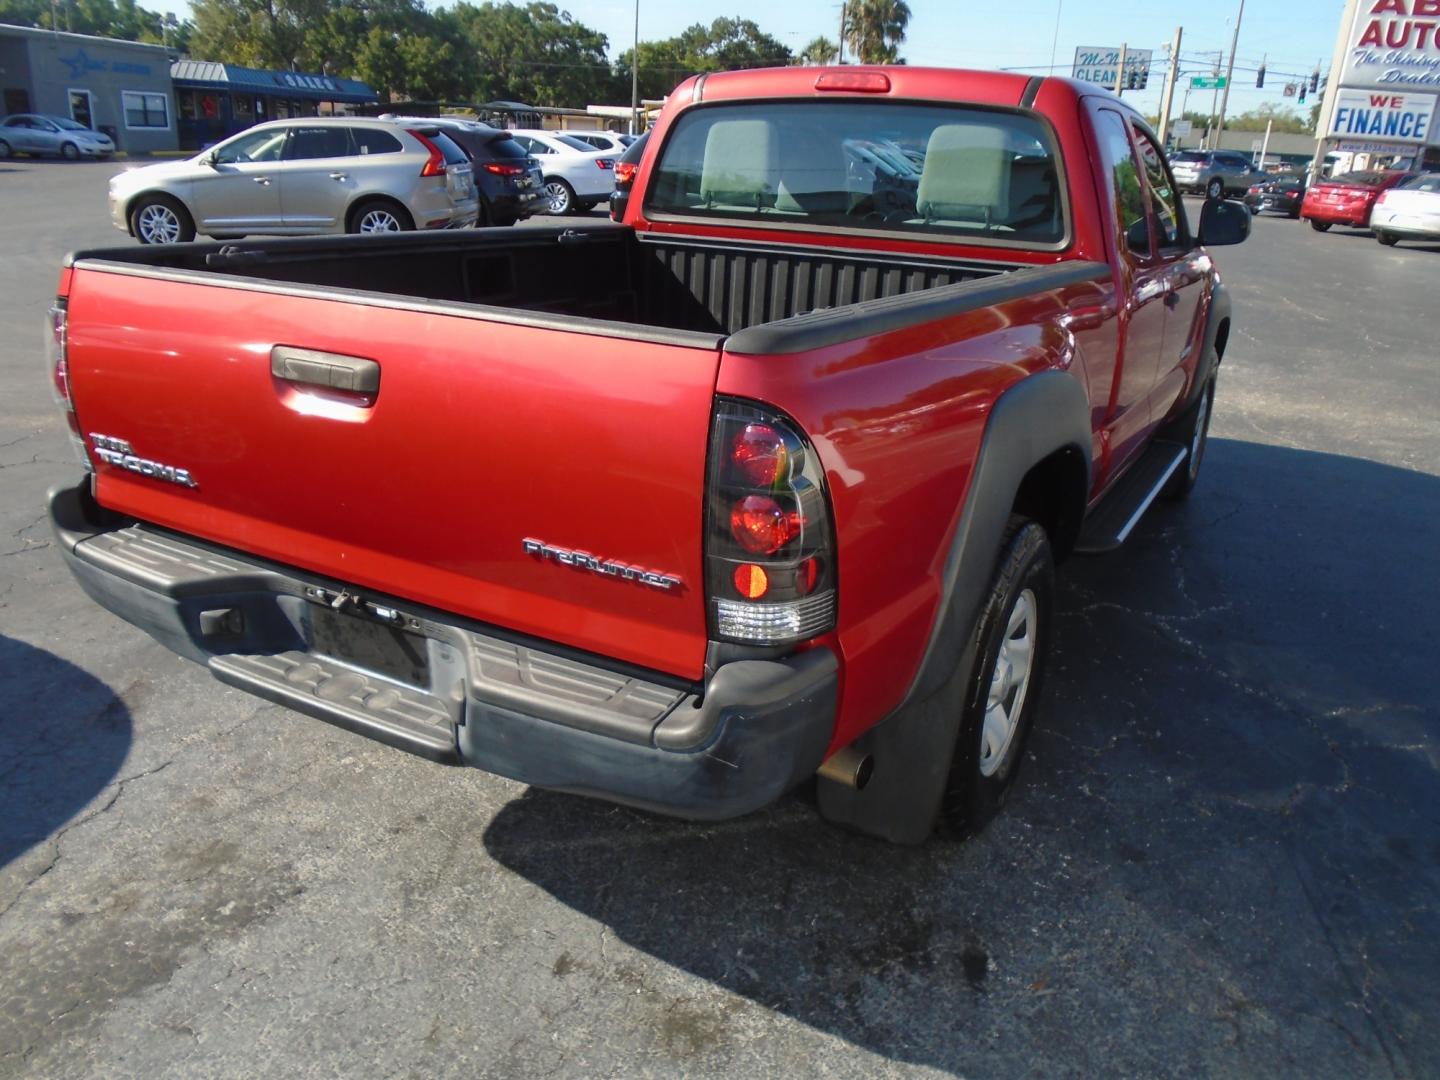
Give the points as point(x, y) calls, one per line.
point(654, 286)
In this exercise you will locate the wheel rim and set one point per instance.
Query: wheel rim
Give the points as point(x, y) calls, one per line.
point(558, 195)
point(1197, 440)
point(70, 151)
point(379, 220)
point(1009, 684)
point(158, 224)
point(1215, 189)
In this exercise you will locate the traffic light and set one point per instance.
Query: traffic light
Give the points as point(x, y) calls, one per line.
point(1144, 77)
point(1315, 80)
point(1132, 80)
point(1301, 98)
point(1260, 77)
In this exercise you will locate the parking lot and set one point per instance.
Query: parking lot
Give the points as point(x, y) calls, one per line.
point(1223, 856)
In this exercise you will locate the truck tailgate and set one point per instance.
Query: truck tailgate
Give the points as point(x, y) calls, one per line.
point(482, 435)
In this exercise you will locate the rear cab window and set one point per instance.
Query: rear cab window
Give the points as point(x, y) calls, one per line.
point(967, 173)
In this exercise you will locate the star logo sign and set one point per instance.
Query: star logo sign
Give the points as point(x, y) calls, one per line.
point(79, 64)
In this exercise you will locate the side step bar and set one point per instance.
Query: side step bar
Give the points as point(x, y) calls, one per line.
point(1110, 523)
point(398, 716)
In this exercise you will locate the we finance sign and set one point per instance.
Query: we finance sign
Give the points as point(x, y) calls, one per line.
point(1382, 116)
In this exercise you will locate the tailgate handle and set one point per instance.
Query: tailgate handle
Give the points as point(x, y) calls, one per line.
point(329, 370)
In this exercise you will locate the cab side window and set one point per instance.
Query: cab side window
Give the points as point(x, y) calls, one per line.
point(257, 146)
point(1164, 198)
point(1122, 175)
point(318, 142)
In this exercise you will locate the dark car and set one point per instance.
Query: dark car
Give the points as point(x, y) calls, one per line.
point(1280, 196)
point(509, 181)
point(625, 170)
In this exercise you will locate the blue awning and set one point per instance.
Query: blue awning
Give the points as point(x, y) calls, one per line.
point(209, 75)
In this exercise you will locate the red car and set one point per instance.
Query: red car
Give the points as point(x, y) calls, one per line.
point(1349, 198)
point(767, 480)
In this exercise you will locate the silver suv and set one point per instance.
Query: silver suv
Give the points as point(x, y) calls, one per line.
point(299, 178)
point(1214, 173)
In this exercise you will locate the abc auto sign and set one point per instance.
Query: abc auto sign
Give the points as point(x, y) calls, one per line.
point(1395, 45)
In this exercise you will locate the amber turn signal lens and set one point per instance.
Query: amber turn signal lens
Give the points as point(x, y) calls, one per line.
point(751, 581)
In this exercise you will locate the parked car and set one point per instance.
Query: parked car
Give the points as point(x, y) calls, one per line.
point(1281, 196)
point(608, 141)
point(626, 170)
point(1214, 173)
point(508, 180)
point(680, 512)
point(577, 176)
point(299, 178)
point(51, 136)
point(1349, 198)
point(1408, 211)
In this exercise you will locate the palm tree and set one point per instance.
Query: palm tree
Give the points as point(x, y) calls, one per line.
point(820, 51)
point(874, 29)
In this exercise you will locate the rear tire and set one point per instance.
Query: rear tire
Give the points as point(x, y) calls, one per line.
point(1011, 646)
point(160, 219)
point(70, 152)
point(5, 150)
point(1215, 189)
point(1388, 239)
point(379, 216)
point(559, 197)
point(1320, 226)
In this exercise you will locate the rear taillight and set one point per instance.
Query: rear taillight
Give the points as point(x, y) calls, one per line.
point(605, 163)
point(625, 173)
point(769, 547)
point(57, 363)
point(500, 168)
point(435, 165)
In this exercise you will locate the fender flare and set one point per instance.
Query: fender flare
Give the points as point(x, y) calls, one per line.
point(913, 746)
point(1217, 316)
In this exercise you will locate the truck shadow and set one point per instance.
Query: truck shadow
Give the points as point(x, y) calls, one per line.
point(1226, 825)
point(63, 737)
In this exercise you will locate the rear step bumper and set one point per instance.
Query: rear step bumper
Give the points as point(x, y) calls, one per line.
point(456, 691)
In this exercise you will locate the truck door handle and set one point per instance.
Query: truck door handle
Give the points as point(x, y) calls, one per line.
point(261, 180)
point(330, 371)
point(339, 176)
point(1087, 318)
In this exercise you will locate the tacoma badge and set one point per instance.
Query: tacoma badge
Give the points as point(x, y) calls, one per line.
point(118, 452)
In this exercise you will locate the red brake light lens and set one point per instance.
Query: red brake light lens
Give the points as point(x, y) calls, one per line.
point(760, 456)
point(751, 581)
point(625, 172)
point(435, 166)
point(501, 168)
point(865, 82)
point(762, 526)
point(605, 162)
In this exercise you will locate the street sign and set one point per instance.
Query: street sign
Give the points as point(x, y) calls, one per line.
point(1207, 82)
point(1181, 128)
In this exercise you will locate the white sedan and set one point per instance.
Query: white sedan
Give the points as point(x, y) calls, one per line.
point(577, 176)
point(1408, 211)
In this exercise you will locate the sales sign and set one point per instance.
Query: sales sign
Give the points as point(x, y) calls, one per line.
point(1393, 43)
point(1382, 115)
point(1096, 63)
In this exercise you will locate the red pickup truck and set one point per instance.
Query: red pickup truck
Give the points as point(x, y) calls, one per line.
point(765, 481)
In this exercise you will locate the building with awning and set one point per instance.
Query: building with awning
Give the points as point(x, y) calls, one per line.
point(215, 100)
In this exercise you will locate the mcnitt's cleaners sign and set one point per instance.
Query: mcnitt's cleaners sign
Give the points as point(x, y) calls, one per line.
point(1394, 43)
point(1382, 115)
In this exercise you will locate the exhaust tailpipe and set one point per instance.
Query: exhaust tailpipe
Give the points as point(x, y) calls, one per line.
point(849, 767)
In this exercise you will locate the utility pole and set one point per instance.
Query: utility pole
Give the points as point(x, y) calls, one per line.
point(1212, 137)
point(1170, 77)
point(1229, 74)
point(1120, 71)
point(635, 76)
point(840, 48)
point(1332, 86)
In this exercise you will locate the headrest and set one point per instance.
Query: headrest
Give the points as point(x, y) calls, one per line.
point(740, 164)
point(966, 175)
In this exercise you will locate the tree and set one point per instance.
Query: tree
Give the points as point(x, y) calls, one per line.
point(725, 45)
point(122, 19)
point(820, 51)
point(1283, 119)
point(537, 54)
point(874, 29)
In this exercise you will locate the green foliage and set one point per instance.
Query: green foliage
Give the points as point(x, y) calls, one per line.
point(725, 45)
point(1285, 120)
point(820, 51)
point(874, 29)
point(123, 19)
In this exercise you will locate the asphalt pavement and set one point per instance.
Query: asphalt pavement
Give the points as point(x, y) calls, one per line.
point(1222, 857)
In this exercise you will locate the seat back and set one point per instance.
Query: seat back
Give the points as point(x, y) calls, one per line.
point(740, 164)
point(966, 177)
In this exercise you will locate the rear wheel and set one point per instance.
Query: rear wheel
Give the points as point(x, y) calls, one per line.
point(1011, 647)
point(70, 151)
point(159, 219)
point(559, 197)
point(1194, 429)
point(1320, 226)
point(1388, 239)
point(379, 216)
point(1215, 189)
point(5, 150)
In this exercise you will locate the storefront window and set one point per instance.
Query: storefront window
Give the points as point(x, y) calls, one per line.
point(185, 102)
point(244, 107)
point(145, 110)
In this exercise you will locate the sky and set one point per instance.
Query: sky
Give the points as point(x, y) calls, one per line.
point(1293, 35)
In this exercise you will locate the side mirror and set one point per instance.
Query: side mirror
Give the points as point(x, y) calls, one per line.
point(1137, 237)
point(1224, 221)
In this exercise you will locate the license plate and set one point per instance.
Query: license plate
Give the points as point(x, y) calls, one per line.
point(385, 650)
